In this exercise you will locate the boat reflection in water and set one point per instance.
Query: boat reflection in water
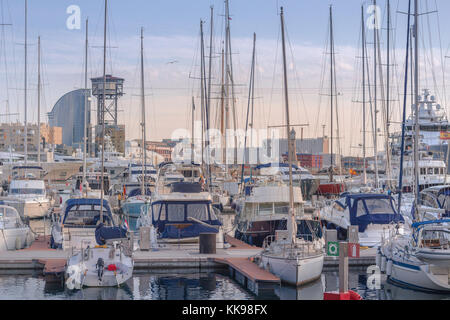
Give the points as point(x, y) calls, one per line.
point(392, 292)
point(312, 291)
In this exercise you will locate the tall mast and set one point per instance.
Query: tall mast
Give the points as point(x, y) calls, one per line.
point(103, 111)
point(405, 89)
point(250, 102)
point(388, 86)
point(144, 152)
point(363, 43)
point(227, 80)
point(222, 112)
point(202, 89)
point(86, 99)
point(331, 87)
point(375, 65)
point(210, 59)
point(291, 220)
point(25, 144)
point(192, 128)
point(416, 105)
point(39, 101)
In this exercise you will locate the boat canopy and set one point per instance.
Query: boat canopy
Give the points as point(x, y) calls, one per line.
point(85, 212)
point(103, 233)
point(368, 209)
point(171, 218)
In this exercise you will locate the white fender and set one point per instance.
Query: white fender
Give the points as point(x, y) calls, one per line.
point(383, 264)
point(389, 267)
point(378, 259)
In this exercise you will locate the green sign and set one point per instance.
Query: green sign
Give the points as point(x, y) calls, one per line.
point(333, 249)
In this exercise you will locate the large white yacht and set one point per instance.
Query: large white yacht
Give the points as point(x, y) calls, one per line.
point(27, 192)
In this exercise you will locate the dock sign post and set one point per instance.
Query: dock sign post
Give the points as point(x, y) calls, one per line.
point(333, 249)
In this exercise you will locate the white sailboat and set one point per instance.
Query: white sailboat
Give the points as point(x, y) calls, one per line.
point(295, 261)
point(109, 263)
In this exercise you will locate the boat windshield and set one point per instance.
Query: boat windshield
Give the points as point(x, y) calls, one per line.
point(84, 215)
point(23, 191)
point(376, 206)
point(9, 218)
point(177, 212)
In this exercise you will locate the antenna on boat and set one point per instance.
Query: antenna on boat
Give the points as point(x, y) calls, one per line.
point(291, 223)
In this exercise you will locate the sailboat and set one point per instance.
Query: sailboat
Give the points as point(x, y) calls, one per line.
point(137, 204)
point(109, 263)
point(295, 260)
point(420, 261)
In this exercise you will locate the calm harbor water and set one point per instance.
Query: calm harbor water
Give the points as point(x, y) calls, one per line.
point(196, 286)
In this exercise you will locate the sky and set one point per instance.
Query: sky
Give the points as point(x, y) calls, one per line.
point(171, 31)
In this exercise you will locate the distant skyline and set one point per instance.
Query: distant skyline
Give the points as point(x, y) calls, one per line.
point(171, 31)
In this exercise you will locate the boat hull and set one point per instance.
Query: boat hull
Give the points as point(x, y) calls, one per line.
point(295, 272)
point(13, 239)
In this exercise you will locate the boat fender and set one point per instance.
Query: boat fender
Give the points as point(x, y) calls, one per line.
point(378, 258)
point(389, 267)
point(383, 264)
point(18, 243)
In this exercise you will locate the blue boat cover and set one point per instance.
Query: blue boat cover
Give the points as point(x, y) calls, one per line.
point(365, 209)
point(86, 202)
point(180, 226)
point(103, 233)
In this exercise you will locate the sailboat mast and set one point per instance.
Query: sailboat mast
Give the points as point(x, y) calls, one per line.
point(363, 43)
point(192, 129)
point(375, 65)
point(25, 144)
point(103, 112)
point(144, 152)
point(250, 99)
point(416, 105)
point(211, 31)
point(291, 220)
point(331, 89)
point(227, 81)
point(86, 99)
point(39, 101)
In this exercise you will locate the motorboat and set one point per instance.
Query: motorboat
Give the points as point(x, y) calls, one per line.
point(265, 209)
point(108, 264)
point(15, 234)
point(373, 213)
point(27, 192)
point(76, 225)
point(300, 177)
point(185, 212)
